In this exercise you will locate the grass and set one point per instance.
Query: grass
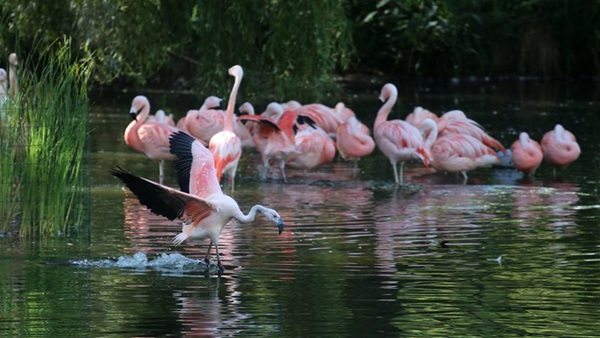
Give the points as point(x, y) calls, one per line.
point(48, 145)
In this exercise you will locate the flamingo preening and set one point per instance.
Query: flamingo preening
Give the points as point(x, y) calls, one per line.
point(149, 138)
point(201, 204)
point(560, 147)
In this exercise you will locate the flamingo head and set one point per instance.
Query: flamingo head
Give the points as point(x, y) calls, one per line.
point(139, 104)
point(236, 71)
point(273, 217)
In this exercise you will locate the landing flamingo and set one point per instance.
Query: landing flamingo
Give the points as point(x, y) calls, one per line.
point(149, 138)
point(205, 210)
point(398, 140)
point(526, 154)
point(225, 145)
point(560, 147)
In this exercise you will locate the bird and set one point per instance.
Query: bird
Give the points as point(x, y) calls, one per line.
point(149, 138)
point(275, 141)
point(324, 117)
point(353, 140)
point(226, 146)
point(201, 205)
point(526, 154)
point(456, 122)
point(419, 115)
point(398, 140)
point(461, 153)
point(313, 148)
point(560, 147)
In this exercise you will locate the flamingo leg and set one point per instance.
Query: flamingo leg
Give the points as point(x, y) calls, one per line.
point(207, 256)
point(401, 173)
point(219, 265)
point(282, 167)
point(395, 168)
point(464, 173)
point(161, 171)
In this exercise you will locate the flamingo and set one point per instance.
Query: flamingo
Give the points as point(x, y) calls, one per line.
point(398, 140)
point(150, 138)
point(560, 148)
point(313, 147)
point(210, 103)
point(13, 89)
point(456, 122)
point(353, 140)
point(342, 112)
point(419, 115)
point(456, 152)
point(323, 116)
point(276, 140)
point(225, 145)
point(202, 205)
point(526, 154)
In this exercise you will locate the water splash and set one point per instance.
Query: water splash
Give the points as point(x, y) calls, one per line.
point(166, 263)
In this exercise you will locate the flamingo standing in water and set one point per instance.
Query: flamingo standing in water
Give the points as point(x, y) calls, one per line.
point(313, 147)
point(225, 145)
point(526, 154)
point(456, 122)
point(353, 140)
point(276, 140)
point(150, 138)
point(560, 148)
point(456, 152)
point(202, 206)
point(398, 140)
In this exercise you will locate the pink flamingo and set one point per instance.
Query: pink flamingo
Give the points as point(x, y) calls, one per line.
point(202, 205)
point(149, 138)
point(343, 113)
point(225, 145)
point(560, 148)
point(526, 154)
point(398, 140)
point(419, 115)
point(210, 103)
point(353, 140)
point(456, 122)
point(324, 117)
point(275, 141)
point(313, 148)
point(456, 152)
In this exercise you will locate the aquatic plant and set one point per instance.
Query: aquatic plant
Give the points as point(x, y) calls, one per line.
point(47, 187)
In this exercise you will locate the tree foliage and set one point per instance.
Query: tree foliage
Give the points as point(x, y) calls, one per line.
point(295, 48)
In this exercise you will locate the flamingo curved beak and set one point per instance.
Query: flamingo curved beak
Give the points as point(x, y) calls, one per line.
point(280, 225)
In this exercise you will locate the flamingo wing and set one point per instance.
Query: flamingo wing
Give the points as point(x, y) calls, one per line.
point(163, 200)
point(196, 173)
point(263, 120)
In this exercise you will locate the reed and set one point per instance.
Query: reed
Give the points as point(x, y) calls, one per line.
point(50, 145)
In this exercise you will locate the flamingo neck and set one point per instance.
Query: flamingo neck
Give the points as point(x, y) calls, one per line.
point(251, 215)
point(391, 94)
point(228, 123)
point(429, 130)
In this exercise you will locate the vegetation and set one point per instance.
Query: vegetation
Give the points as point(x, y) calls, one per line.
point(300, 46)
point(45, 170)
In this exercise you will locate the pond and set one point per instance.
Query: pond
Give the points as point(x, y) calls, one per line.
point(498, 256)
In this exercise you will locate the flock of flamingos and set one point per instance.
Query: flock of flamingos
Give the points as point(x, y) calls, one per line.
point(209, 142)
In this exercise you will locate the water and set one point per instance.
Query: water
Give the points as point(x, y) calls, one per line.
point(499, 256)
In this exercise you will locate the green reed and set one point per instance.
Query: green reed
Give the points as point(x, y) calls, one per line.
point(51, 145)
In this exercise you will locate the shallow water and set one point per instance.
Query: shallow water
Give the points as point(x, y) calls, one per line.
point(359, 256)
